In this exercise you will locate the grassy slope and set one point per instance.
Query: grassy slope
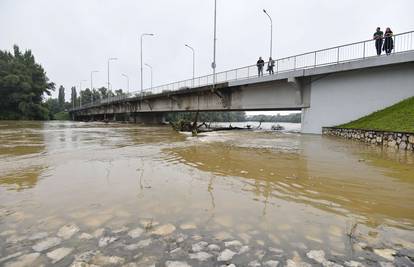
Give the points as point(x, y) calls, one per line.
point(399, 117)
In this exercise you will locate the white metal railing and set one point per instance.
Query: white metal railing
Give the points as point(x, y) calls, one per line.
point(403, 42)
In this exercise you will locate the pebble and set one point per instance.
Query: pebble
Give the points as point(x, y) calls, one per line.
point(226, 255)
point(46, 244)
point(98, 232)
point(11, 256)
point(67, 231)
point(234, 243)
point(38, 236)
point(85, 256)
point(176, 264)
point(200, 256)
point(58, 254)
point(271, 263)
point(102, 260)
point(25, 260)
point(104, 241)
point(140, 244)
point(243, 249)
point(199, 246)
point(164, 230)
point(135, 233)
point(354, 264)
point(188, 226)
point(254, 263)
point(213, 247)
point(386, 253)
point(316, 255)
point(120, 230)
point(7, 232)
point(386, 264)
point(85, 236)
point(223, 236)
point(276, 251)
point(292, 263)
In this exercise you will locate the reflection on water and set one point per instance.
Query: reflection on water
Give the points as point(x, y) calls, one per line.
point(286, 190)
point(335, 179)
point(21, 179)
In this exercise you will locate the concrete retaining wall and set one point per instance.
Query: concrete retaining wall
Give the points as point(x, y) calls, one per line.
point(397, 140)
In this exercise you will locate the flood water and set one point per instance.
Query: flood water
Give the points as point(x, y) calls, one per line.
point(87, 194)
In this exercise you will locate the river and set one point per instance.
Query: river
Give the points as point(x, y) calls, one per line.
point(86, 194)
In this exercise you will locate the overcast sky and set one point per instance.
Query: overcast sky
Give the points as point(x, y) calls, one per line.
point(73, 37)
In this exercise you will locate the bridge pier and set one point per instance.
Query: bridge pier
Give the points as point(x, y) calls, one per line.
point(149, 118)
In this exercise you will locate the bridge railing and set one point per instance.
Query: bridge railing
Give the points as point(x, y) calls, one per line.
point(403, 42)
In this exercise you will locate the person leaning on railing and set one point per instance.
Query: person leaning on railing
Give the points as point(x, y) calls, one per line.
point(388, 42)
point(378, 35)
point(270, 66)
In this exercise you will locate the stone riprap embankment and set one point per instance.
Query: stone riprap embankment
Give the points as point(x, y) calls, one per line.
point(397, 140)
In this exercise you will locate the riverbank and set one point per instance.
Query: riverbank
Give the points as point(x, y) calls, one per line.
point(394, 140)
point(392, 127)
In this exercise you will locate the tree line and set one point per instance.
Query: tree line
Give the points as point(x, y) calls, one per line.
point(232, 116)
point(25, 90)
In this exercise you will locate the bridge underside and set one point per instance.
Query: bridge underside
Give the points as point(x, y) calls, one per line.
point(274, 95)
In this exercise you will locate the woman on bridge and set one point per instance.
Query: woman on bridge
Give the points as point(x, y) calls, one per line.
point(388, 42)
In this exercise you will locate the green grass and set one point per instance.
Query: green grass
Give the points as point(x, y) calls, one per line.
point(398, 118)
point(61, 116)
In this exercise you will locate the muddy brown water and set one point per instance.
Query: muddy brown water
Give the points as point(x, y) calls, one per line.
point(285, 190)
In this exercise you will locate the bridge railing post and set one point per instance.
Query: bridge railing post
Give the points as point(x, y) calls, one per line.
point(337, 56)
point(294, 63)
point(314, 60)
point(363, 53)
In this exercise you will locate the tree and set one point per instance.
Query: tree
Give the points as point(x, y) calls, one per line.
point(61, 97)
point(73, 96)
point(86, 96)
point(23, 84)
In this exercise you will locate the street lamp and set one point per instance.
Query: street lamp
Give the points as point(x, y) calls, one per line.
point(92, 72)
point(80, 92)
point(127, 79)
point(192, 49)
point(149, 66)
point(109, 60)
point(213, 65)
point(142, 81)
point(271, 31)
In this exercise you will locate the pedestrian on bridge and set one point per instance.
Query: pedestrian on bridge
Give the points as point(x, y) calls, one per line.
point(270, 66)
point(378, 36)
point(388, 42)
point(260, 64)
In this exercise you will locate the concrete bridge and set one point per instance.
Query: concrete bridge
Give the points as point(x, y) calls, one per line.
point(330, 87)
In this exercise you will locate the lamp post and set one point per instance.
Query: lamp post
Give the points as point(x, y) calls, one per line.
point(127, 79)
point(142, 80)
point(213, 65)
point(92, 72)
point(80, 92)
point(192, 49)
point(149, 66)
point(109, 60)
point(271, 31)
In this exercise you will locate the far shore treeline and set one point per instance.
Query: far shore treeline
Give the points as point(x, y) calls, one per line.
point(25, 94)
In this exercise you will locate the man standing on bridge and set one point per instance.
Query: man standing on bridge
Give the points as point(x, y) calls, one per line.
point(378, 36)
point(260, 65)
